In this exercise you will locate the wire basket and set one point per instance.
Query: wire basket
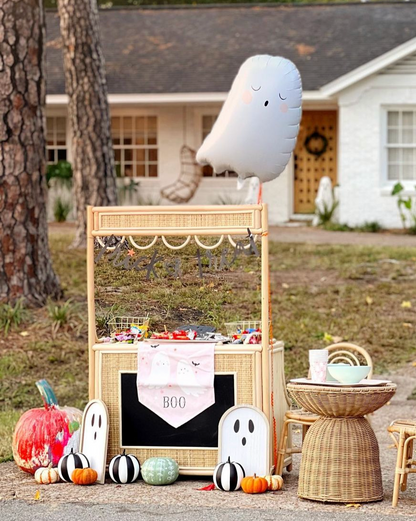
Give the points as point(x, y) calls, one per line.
point(236, 328)
point(119, 324)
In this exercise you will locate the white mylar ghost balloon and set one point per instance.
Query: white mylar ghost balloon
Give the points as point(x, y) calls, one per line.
point(256, 130)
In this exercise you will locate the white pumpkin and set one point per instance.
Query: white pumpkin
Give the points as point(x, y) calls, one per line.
point(274, 482)
point(46, 475)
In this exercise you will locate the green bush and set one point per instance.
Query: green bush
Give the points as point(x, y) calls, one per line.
point(61, 210)
point(369, 227)
point(325, 215)
point(406, 207)
point(12, 315)
point(61, 170)
point(336, 227)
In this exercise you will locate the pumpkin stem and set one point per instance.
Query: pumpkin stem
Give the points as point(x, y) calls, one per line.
point(124, 452)
point(228, 461)
point(254, 476)
point(48, 396)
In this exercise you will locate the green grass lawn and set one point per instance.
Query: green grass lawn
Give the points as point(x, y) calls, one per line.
point(351, 292)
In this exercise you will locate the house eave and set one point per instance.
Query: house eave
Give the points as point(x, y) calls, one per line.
point(175, 98)
point(369, 68)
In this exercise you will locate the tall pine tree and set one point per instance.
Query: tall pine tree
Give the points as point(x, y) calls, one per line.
point(25, 265)
point(93, 168)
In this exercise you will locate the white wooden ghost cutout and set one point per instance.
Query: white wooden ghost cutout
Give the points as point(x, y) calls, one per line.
point(94, 436)
point(256, 130)
point(244, 436)
point(186, 380)
point(325, 199)
point(159, 372)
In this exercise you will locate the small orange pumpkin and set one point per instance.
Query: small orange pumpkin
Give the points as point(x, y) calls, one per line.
point(274, 482)
point(254, 485)
point(85, 476)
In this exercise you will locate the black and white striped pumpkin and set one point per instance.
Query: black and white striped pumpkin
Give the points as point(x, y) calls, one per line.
point(228, 475)
point(68, 463)
point(124, 468)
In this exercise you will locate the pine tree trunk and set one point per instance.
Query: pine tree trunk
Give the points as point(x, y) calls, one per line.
point(93, 158)
point(25, 264)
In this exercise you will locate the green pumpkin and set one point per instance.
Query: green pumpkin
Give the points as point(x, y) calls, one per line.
point(160, 471)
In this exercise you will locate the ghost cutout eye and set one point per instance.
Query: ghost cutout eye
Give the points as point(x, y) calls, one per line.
point(92, 420)
point(237, 425)
point(256, 89)
point(250, 425)
point(266, 103)
point(283, 99)
point(99, 422)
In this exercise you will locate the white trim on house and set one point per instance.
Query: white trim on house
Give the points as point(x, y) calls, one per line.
point(369, 68)
point(386, 183)
point(173, 98)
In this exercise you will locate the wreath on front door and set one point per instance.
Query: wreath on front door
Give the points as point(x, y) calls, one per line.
point(321, 144)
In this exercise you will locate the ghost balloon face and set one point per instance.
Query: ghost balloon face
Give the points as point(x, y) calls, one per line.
point(244, 437)
point(257, 128)
point(94, 436)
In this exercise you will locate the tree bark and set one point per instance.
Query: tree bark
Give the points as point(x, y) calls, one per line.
point(93, 158)
point(25, 265)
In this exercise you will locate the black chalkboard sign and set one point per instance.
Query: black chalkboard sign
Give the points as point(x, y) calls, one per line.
point(140, 427)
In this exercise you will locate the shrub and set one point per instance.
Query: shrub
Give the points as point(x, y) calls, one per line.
point(337, 227)
point(369, 227)
point(325, 215)
point(406, 206)
point(12, 316)
point(60, 314)
point(61, 170)
point(61, 210)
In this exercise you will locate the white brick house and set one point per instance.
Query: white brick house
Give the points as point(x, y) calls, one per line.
point(169, 70)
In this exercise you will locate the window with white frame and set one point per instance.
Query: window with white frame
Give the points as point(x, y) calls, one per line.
point(401, 145)
point(207, 170)
point(56, 146)
point(135, 145)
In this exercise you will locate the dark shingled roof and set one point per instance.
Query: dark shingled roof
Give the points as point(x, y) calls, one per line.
point(199, 49)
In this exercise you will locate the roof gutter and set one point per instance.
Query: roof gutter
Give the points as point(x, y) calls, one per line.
point(174, 98)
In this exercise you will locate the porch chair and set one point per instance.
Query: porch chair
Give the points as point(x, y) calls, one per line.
point(342, 352)
point(403, 433)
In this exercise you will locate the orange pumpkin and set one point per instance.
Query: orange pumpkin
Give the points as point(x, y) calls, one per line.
point(254, 485)
point(85, 476)
point(274, 482)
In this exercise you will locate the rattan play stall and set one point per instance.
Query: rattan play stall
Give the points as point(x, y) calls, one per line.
point(258, 369)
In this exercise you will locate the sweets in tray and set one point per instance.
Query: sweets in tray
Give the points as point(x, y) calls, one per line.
point(131, 333)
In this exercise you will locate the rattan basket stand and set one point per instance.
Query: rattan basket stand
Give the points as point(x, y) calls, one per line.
point(340, 457)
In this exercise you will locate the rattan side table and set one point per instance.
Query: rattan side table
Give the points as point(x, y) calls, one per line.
point(340, 455)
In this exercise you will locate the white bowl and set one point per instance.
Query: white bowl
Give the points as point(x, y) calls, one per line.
point(329, 378)
point(349, 374)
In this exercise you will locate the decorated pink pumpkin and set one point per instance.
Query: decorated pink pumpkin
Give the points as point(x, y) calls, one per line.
point(42, 435)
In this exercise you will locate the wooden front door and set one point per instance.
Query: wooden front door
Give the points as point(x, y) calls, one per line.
point(315, 156)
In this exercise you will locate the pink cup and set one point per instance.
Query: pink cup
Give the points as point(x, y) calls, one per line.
point(318, 360)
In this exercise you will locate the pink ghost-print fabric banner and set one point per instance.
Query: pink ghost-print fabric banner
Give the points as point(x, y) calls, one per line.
point(175, 380)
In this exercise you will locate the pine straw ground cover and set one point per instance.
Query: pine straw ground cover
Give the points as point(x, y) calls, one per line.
point(361, 294)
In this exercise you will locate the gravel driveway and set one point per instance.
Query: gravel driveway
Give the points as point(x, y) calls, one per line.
point(183, 502)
